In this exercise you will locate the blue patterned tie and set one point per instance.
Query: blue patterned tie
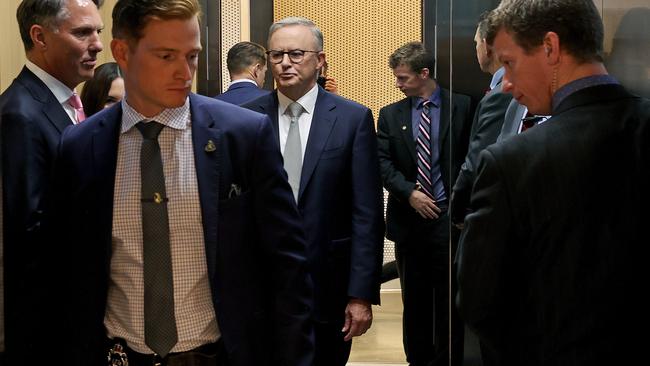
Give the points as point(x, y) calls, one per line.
point(423, 149)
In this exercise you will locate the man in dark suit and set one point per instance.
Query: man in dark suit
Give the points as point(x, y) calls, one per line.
point(247, 67)
point(416, 137)
point(551, 255)
point(192, 248)
point(61, 43)
point(330, 155)
point(488, 120)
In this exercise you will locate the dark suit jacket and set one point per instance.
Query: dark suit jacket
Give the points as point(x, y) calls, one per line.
point(398, 159)
point(488, 120)
point(32, 121)
point(254, 244)
point(512, 120)
point(241, 93)
point(340, 199)
point(550, 253)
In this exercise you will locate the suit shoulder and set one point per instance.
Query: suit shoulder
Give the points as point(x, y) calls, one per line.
point(347, 103)
point(394, 106)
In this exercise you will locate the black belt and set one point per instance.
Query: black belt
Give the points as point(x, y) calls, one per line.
point(207, 354)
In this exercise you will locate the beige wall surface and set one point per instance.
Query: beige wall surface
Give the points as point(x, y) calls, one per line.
point(12, 53)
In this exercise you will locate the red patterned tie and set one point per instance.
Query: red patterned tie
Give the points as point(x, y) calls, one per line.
point(75, 102)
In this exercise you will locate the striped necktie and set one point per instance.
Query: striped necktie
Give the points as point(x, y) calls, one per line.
point(423, 148)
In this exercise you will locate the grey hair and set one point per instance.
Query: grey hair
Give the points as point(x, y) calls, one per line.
point(289, 21)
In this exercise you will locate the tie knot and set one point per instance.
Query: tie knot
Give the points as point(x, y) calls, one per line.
point(150, 130)
point(75, 101)
point(294, 110)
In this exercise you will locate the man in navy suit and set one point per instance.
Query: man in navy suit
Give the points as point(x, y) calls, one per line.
point(237, 282)
point(330, 154)
point(61, 43)
point(555, 250)
point(417, 218)
point(247, 67)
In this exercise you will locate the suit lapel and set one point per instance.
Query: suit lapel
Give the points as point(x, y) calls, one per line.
point(269, 106)
point(206, 140)
point(322, 122)
point(52, 109)
point(445, 118)
point(405, 126)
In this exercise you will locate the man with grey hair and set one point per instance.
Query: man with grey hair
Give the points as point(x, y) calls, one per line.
point(330, 156)
point(550, 258)
point(61, 40)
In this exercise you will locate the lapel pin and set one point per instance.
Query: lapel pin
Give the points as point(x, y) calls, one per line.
point(404, 127)
point(210, 146)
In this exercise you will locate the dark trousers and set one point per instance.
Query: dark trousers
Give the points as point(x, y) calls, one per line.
point(331, 349)
point(423, 266)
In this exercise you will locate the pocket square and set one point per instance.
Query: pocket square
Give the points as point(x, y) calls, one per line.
point(235, 191)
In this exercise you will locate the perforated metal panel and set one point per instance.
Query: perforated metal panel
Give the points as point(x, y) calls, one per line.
point(230, 34)
point(359, 38)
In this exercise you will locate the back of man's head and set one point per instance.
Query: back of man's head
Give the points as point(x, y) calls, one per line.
point(130, 17)
point(576, 22)
point(415, 56)
point(243, 55)
point(47, 13)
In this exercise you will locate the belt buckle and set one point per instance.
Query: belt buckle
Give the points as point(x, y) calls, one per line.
point(117, 356)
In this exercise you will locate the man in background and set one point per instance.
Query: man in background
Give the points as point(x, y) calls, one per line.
point(488, 120)
point(416, 136)
point(247, 68)
point(330, 155)
point(551, 256)
point(61, 41)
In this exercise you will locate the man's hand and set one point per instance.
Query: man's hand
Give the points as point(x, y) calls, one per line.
point(358, 318)
point(424, 205)
point(330, 85)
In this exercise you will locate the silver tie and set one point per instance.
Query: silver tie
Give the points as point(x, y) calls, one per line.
point(293, 149)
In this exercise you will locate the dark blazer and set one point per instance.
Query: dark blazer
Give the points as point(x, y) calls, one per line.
point(550, 259)
point(241, 93)
point(254, 245)
point(32, 121)
point(340, 199)
point(512, 120)
point(398, 159)
point(488, 120)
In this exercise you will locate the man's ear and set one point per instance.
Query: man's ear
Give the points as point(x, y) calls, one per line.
point(120, 50)
point(424, 73)
point(37, 34)
point(551, 47)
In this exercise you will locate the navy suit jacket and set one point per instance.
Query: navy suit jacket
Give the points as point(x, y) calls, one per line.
point(255, 248)
point(241, 93)
point(398, 159)
point(340, 199)
point(32, 120)
point(554, 253)
point(488, 121)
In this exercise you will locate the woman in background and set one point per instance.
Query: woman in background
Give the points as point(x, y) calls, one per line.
point(103, 90)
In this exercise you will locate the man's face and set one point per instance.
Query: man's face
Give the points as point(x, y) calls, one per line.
point(528, 76)
point(482, 53)
point(408, 81)
point(159, 67)
point(295, 79)
point(70, 52)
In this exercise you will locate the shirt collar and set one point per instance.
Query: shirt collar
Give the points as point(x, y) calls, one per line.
point(177, 118)
point(497, 77)
point(434, 99)
point(580, 84)
point(307, 101)
point(243, 81)
point(61, 92)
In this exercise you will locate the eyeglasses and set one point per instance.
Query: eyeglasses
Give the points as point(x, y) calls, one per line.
point(295, 56)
